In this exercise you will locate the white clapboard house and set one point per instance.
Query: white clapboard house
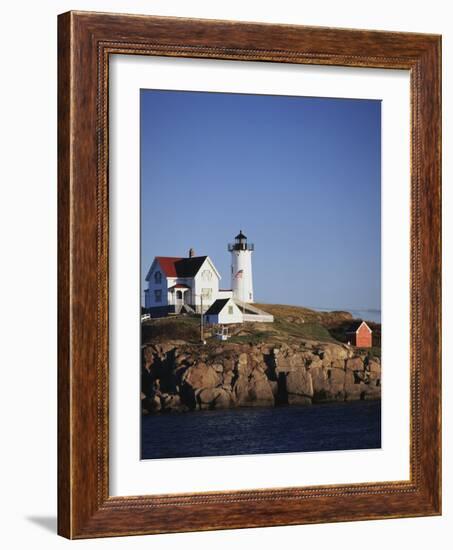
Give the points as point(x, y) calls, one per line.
point(182, 285)
point(192, 285)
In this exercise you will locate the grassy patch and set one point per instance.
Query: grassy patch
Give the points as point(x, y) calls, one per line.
point(290, 322)
point(306, 315)
point(171, 328)
point(310, 331)
point(255, 338)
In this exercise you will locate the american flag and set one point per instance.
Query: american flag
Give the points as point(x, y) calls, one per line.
point(239, 274)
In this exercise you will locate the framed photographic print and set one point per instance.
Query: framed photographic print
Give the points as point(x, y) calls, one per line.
point(249, 275)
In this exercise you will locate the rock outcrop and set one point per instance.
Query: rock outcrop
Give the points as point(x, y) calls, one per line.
point(177, 376)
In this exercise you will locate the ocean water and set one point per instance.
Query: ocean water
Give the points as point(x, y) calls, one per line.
point(323, 427)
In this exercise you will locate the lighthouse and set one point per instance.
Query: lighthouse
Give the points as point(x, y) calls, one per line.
point(241, 268)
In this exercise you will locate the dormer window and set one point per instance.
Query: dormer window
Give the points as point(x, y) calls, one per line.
point(158, 277)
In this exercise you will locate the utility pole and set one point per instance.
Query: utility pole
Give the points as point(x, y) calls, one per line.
point(201, 320)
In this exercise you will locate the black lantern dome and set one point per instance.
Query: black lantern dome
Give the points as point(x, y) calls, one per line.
point(240, 243)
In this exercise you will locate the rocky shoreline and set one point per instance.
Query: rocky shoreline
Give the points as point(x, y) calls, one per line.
point(178, 376)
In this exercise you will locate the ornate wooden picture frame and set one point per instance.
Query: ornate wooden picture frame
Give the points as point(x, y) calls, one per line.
point(85, 507)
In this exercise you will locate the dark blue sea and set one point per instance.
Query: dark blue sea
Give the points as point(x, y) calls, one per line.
point(324, 427)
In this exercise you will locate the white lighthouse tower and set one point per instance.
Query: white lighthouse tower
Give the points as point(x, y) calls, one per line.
point(241, 268)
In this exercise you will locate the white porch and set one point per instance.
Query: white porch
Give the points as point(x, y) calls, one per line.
point(179, 295)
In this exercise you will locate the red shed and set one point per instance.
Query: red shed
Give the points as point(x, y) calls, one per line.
point(359, 334)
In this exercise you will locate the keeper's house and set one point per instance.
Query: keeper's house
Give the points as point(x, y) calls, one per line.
point(223, 312)
point(182, 285)
point(360, 335)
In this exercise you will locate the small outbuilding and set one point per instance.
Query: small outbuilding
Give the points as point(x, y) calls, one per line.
point(359, 334)
point(223, 311)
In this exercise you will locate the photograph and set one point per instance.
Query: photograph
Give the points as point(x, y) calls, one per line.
point(242, 251)
point(260, 274)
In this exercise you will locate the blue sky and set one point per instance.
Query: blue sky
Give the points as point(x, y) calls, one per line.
point(300, 176)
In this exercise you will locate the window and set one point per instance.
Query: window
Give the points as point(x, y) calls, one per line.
point(206, 293)
point(230, 310)
point(158, 277)
point(158, 295)
point(206, 275)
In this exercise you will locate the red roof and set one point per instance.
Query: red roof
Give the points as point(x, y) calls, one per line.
point(180, 267)
point(167, 264)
